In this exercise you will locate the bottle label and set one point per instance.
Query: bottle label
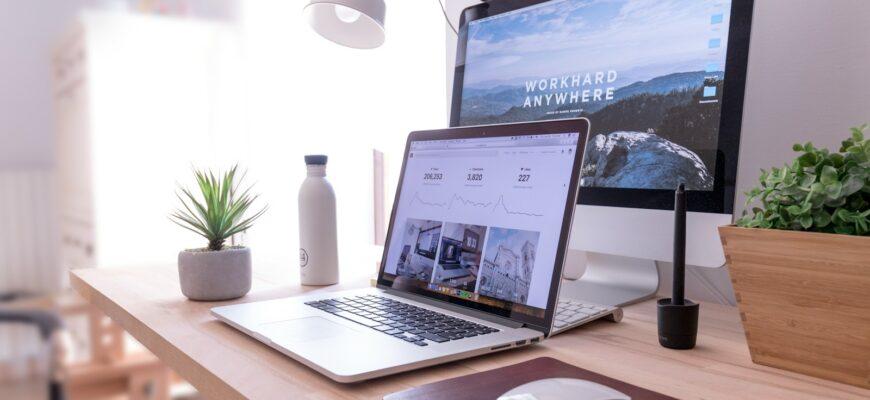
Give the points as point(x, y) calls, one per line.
point(303, 258)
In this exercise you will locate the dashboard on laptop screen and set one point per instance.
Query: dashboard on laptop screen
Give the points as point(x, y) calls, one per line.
point(480, 219)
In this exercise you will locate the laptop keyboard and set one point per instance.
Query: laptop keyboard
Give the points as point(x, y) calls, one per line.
point(401, 320)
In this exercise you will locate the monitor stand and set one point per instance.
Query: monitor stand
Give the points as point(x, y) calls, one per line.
point(609, 279)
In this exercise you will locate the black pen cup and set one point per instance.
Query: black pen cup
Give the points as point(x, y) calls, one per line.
point(678, 324)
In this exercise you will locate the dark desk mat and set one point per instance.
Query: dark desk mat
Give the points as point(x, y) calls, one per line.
point(493, 383)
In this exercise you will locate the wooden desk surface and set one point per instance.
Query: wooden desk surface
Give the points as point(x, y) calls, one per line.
point(223, 363)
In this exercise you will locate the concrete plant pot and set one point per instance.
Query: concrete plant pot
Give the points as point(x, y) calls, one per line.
point(215, 275)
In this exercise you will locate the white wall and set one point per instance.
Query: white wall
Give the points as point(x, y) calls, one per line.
point(28, 29)
point(807, 80)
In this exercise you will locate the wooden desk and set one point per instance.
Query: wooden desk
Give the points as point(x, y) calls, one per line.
point(225, 364)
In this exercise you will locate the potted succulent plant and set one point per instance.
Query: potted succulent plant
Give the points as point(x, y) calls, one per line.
point(218, 271)
point(800, 263)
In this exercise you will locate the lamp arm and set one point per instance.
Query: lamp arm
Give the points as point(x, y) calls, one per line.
point(447, 18)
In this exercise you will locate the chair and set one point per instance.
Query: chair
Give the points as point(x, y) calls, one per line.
point(49, 325)
point(109, 370)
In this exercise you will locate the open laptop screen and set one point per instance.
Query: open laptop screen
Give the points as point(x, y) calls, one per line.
point(481, 219)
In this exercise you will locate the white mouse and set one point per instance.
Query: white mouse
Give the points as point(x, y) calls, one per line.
point(562, 389)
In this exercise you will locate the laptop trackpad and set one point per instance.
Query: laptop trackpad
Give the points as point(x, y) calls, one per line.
point(302, 329)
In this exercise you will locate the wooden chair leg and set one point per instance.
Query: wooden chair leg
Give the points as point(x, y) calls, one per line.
point(152, 384)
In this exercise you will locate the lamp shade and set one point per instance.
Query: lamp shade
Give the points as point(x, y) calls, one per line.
point(352, 23)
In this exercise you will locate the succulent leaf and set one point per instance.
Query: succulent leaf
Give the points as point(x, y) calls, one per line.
point(219, 211)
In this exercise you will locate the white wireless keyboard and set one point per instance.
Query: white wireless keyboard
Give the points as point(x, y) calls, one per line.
point(571, 313)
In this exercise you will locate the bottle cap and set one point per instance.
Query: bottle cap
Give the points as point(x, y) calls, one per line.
point(315, 159)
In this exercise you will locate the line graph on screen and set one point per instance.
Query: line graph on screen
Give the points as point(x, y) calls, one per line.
point(457, 200)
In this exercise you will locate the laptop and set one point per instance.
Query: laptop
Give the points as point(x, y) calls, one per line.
point(472, 262)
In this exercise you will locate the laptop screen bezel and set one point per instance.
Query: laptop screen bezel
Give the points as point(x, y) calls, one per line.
point(578, 125)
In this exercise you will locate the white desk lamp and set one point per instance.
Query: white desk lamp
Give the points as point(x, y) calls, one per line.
point(352, 23)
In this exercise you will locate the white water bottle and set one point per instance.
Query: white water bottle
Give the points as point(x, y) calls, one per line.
point(318, 242)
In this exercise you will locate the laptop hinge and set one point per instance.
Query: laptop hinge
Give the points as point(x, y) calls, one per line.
point(455, 308)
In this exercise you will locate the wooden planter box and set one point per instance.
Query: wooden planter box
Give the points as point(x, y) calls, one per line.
point(804, 300)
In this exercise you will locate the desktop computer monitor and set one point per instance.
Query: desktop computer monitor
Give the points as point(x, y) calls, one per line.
point(662, 84)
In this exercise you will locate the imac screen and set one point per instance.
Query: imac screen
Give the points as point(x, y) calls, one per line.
point(647, 73)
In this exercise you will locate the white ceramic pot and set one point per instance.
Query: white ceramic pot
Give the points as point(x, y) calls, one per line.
point(215, 275)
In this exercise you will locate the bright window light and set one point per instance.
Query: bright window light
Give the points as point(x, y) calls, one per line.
point(168, 94)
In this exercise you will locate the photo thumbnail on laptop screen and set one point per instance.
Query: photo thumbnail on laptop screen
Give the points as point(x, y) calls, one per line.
point(480, 218)
point(647, 73)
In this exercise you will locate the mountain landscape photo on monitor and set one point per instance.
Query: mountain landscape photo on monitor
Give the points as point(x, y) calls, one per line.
point(647, 73)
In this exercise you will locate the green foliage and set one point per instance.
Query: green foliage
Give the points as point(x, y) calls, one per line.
point(820, 191)
point(220, 213)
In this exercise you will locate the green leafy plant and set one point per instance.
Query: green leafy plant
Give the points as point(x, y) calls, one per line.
point(820, 191)
point(220, 213)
